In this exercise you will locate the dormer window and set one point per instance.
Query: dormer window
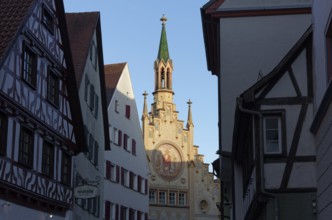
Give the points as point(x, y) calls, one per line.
point(48, 19)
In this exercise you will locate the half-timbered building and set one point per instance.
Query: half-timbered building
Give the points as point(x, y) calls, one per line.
point(272, 140)
point(86, 45)
point(40, 119)
point(244, 41)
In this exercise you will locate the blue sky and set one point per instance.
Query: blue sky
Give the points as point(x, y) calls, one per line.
point(131, 33)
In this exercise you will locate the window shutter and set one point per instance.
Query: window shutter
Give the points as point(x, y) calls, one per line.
point(125, 141)
point(133, 147)
point(107, 210)
point(96, 106)
point(131, 180)
point(108, 169)
point(139, 183)
point(117, 173)
point(128, 111)
point(120, 138)
point(122, 176)
point(116, 211)
point(146, 186)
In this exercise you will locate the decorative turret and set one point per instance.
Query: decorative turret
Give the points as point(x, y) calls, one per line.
point(145, 114)
point(190, 120)
point(163, 65)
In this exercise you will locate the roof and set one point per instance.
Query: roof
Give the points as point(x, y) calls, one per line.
point(81, 27)
point(112, 76)
point(13, 14)
point(163, 53)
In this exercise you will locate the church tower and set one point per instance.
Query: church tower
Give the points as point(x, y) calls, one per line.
point(180, 186)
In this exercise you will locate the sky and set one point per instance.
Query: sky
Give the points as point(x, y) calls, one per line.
point(131, 33)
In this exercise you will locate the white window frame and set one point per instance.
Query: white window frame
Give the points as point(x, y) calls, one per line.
point(152, 196)
point(162, 197)
point(172, 198)
point(182, 198)
point(279, 129)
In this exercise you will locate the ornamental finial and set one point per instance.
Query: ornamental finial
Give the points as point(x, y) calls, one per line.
point(163, 20)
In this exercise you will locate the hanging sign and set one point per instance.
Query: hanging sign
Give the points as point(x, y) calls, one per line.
point(85, 191)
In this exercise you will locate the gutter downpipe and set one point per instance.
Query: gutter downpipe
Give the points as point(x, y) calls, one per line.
point(261, 161)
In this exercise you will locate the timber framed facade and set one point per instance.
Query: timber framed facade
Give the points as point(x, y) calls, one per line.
point(40, 122)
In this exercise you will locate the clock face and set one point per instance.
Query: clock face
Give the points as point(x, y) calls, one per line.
point(167, 162)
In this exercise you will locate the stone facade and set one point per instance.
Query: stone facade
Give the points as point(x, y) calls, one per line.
point(180, 185)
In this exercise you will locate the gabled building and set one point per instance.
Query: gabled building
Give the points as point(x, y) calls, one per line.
point(86, 45)
point(272, 143)
point(180, 185)
point(322, 124)
point(127, 171)
point(41, 125)
point(244, 41)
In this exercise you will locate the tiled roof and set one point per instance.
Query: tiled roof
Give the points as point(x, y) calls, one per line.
point(112, 76)
point(81, 27)
point(12, 15)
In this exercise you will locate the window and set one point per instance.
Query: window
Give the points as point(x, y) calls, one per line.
point(162, 197)
point(96, 106)
point(92, 97)
point(53, 88)
point(107, 210)
point(3, 134)
point(172, 198)
point(128, 111)
point(95, 153)
point(93, 55)
point(117, 136)
point(48, 19)
point(133, 147)
point(131, 214)
point(152, 196)
point(47, 160)
point(29, 66)
point(125, 141)
point(272, 135)
point(116, 106)
point(66, 169)
point(86, 88)
point(182, 198)
point(26, 147)
point(124, 177)
point(123, 213)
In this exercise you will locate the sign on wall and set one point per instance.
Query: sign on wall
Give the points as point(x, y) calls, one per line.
point(85, 191)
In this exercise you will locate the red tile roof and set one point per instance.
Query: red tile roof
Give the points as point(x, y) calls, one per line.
point(81, 27)
point(112, 76)
point(12, 15)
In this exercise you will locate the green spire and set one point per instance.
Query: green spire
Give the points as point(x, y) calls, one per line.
point(163, 47)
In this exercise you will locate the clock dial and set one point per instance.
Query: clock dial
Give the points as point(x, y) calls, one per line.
point(167, 162)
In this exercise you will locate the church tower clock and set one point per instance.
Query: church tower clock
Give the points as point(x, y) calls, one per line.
point(175, 165)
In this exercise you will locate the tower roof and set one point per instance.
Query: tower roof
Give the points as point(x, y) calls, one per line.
point(163, 53)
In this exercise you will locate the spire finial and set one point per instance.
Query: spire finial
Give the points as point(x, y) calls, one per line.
point(163, 20)
point(145, 107)
point(190, 119)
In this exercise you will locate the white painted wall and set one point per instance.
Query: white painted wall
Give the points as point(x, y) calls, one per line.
point(95, 126)
point(322, 12)
point(115, 192)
